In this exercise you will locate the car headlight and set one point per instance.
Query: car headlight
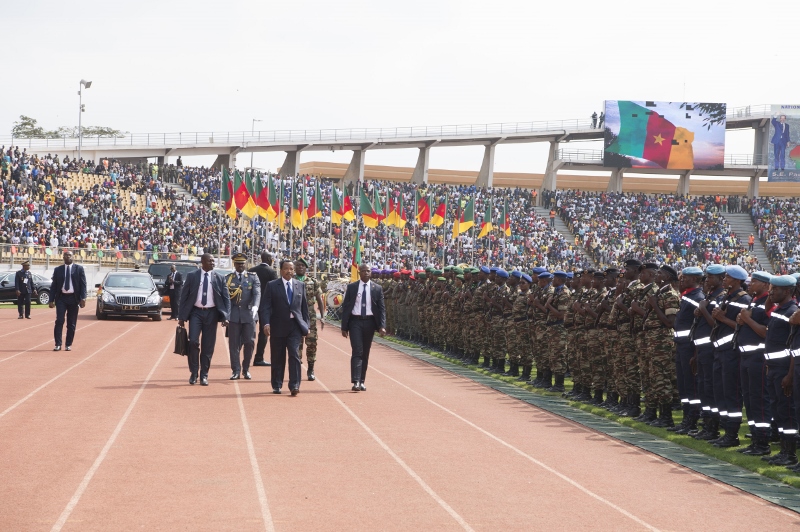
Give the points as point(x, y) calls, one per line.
point(154, 299)
point(108, 297)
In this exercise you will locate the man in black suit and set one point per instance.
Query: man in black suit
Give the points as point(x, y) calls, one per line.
point(265, 274)
point(67, 292)
point(284, 316)
point(204, 302)
point(363, 313)
point(23, 283)
point(173, 285)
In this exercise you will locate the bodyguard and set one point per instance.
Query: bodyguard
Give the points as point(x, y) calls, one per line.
point(244, 289)
point(68, 293)
point(23, 282)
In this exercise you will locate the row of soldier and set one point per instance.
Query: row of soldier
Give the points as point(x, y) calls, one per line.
point(706, 343)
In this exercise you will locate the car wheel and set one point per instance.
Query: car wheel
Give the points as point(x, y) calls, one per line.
point(99, 315)
point(44, 297)
point(157, 317)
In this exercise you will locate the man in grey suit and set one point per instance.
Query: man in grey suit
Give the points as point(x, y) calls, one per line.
point(244, 289)
point(284, 316)
point(204, 302)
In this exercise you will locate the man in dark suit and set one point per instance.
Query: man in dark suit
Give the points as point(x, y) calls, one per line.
point(173, 285)
point(780, 141)
point(67, 292)
point(23, 282)
point(284, 316)
point(265, 274)
point(363, 313)
point(204, 302)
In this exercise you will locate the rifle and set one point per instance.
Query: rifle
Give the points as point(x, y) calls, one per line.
point(632, 327)
point(602, 310)
point(650, 307)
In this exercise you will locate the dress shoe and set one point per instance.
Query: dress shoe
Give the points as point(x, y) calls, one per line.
point(204, 380)
point(355, 387)
point(295, 391)
point(57, 348)
point(235, 376)
point(276, 391)
point(20, 317)
point(68, 348)
point(246, 374)
point(262, 363)
point(193, 379)
point(27, 317)
point(362, 387)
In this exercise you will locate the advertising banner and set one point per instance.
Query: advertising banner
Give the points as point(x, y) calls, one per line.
point(784, 139)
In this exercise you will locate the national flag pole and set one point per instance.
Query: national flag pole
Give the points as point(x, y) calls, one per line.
point(219, 225)
point(291, 213)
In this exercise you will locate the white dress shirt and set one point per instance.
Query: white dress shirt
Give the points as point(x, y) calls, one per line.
point(67, 273)
point(357, 306)
point(209, 295)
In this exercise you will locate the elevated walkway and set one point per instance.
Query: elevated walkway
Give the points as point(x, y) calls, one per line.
point(562, 228)
point(742, 225)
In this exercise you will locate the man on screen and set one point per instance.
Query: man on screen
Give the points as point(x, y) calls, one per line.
point(780, 141)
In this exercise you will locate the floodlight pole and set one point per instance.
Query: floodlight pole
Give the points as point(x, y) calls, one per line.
point(82, 84)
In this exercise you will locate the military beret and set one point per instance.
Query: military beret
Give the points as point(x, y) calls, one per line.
point(578, 274)
point(393, 271)
point(590, 270)
point(437, 273)
point(448, 268)
point(460, 276)
point(631, 263)
point(26, 263)
point(570, 275)
point(485, 269)
point(692, 270)
point(502, 273)
point(419, 271)
point(649, 266)
point(457, 271)
point(537, 270)
point(493, 269)
point(796, 275)
point(396, 275)
point(405, 272)
point(783, 281)
point(421, 275)
point(715, 269)
point(612, 271)
point(517, 273)
point(373, 271)
point(441, 279)
point(736, 272)
point(429, 268)
point(764, 277)
point(412, 278)
point(238, 257)
point(671, 271)
point(475, 270)
point(559, 273)
point(527, 278)
point(545, 275)
point(599, 274)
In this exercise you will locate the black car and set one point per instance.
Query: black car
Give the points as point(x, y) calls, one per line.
point(160, 271)
point(128, 294)
point(8, 291)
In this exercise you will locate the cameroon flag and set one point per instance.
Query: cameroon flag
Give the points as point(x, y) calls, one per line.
point(273, 201)
point(298, 208)
point(380, 212)
point(400, 219)
point(226, 194)
point(465, 219)
point(439, 215)
point(423, 209)
point(368, 213)
point(240, 192)
point(505, 225)
point(250, 208)
point(314, 209)
point(486, 224)
point(336, 207)
point(356, 257)
point(262, 198)
point(644, 134)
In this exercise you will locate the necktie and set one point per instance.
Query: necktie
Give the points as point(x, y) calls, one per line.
point(204, 301)
point(289, 292)
point(364, 302)
point(67, 280)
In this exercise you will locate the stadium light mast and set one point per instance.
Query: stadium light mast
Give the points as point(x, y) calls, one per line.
point(86, 84)
point(253, 132)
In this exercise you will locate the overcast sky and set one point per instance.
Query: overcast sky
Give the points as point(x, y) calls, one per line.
point(201, 65)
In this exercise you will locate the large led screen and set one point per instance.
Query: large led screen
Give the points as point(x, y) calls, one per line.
point(784, 143)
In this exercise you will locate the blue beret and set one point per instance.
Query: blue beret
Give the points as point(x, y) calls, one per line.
point(517, 273)
point(761, 276)
point(493, 269)
point(527, 278)
point(796, 275)
point(502, 273)
point(715, 269)
point(692, 270)
point(393, 271)
point(485, 269)
point(559, 273)
point(545, 275)
point(783, 280)
point(570, 275)
point(736, 272)
point(374, 271)
point(537, 270)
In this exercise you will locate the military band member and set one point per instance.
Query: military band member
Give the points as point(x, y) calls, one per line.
point(244, 289)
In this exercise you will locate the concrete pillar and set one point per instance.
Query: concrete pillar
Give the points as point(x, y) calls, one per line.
point(228, 160)
point(550, 181)
point(420, 174)
point(683, 183)
point(615, 181)
point(355, 172)
point(752, 189)
point(761, 145)
point(291, 164)
point(486, 174)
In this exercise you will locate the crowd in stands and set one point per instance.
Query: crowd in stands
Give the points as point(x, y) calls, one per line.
point(777, 220)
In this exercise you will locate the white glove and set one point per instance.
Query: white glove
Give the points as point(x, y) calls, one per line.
point(255, 314)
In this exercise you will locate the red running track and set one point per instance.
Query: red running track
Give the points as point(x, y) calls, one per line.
point(111, 436)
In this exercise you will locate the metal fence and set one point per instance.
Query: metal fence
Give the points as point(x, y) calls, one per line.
point(596, 156)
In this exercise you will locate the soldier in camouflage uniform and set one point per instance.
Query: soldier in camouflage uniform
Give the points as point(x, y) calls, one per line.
point(478, 325)
point(557, 305)
point(660, 311)
point(578, 359)
point(388, 296)
point(468, 316)
point(647, 277)
point(607, 335)
point(615, 360)
point(626, 352)
point(314, 295)
point(519, 340)
point(498, 340)
point(544, 376)
point(508, 324)
point(594, 339)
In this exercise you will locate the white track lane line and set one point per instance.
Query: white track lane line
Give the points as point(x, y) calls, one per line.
point(25, 329)
point(50, 341)
point(34, 392)
point(62, 520)
point(269, 526)
point(447, 508)
point(541, 464)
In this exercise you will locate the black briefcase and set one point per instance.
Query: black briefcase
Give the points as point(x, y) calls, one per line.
point(181, 341)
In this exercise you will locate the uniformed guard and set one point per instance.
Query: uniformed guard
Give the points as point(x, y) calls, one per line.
point(626, 352)
point(557, 305)
point(23, 283)
point(314, 297)
point(691, 295)
point(544, 377)
point(245, 292)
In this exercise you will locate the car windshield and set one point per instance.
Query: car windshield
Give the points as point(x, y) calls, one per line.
point(162, 270)
point(129, 281)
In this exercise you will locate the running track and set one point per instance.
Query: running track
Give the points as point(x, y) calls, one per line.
point(110, 436)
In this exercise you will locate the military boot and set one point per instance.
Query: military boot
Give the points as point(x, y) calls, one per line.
point(634, 406)
point(310, 372)
point(598, 398)
point(585, 394)
point(487, 362)
point(790, 453)
point(706, 420)
point(536, 381)
point(621, 406)
point(731, 437)
point(547, 380)
point(576, 389)
point(665, 419)
point(760, 445)
point(558, 386)
point(526, 374)
point(710, 431)
point(648, 415)
point(781, 453)
point(513, 370)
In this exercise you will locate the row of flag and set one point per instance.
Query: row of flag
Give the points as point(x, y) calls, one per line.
point(247, 194)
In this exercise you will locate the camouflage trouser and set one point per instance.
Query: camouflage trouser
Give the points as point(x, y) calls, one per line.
point(524, 347)
point(518, 343)
point(661, 365)
point(541, 353)
point(556, 345)
point(414, 322)
point(597, 358)
point(311, 343)
point(630, 363)
point(618, 361)
point(498, 337)
point(640, 359)
point(572, 336)
point(390, 316)
point(585, 348)
point(608, 340)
